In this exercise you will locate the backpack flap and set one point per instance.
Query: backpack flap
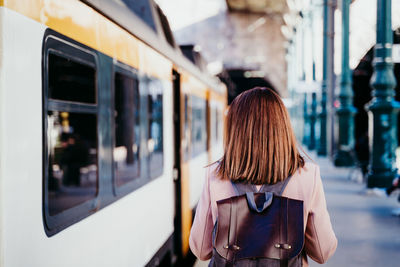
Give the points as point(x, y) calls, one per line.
point(273, 229)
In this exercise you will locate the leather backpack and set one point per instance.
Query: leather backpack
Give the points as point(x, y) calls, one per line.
point(258, 228)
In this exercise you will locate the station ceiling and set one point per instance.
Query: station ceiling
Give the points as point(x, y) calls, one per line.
point(240, 35)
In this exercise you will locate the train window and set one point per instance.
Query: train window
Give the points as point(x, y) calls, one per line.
point(155, 128)
point(142, 9)
point(127, 129)
point(70, 80)
point(70, 133)
point(166, 28)
point(214, 124)
point(217, 122)
point(186, 130)
point(72, 155)
point(199, 126)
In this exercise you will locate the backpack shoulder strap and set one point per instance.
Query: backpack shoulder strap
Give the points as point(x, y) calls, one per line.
point(242, 188)
point(277, 189)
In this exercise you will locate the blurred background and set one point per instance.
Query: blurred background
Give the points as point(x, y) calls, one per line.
point(319, 56)
point(279, 44)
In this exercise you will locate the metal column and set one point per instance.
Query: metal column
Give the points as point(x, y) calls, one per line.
point(322, 145)
point(312, 120)
point(346, 111)
point(306, 127)
point(383, 108)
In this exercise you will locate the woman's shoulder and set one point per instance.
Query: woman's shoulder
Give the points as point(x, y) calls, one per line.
point(218, 188)
point(213, 165)
point(213, 178)
point(211, 170)
point(309, 167)
point(308, 173)
point(302, 183)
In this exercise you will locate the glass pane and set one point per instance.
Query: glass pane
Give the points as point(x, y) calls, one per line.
point(127, 129)
point(186, 130)
point(217, 122)
point(72, 159)
point(155, 141)
point(70, 80)
point(142, 9)
point(199, 126)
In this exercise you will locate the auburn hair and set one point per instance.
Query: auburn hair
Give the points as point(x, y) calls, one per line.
point(259, 144)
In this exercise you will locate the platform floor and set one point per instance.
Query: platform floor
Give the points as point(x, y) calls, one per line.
point(368, 233)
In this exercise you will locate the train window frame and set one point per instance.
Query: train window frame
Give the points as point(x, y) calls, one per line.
point(54, 43)
point(142, 179)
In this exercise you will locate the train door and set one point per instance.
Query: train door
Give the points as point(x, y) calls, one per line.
point(182, 152)
point(177, 164)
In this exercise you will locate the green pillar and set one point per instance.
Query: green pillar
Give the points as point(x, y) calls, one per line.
point(322, 145)
point(312, 120)
point(306, 126)
point(345, 113)
point(383, 108)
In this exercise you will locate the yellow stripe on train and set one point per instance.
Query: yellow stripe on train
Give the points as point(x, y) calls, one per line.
point(79, 22)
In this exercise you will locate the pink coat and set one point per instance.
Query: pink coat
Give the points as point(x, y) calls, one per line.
point(305, 184)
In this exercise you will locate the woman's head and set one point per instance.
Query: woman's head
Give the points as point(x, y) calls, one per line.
point(259, 143)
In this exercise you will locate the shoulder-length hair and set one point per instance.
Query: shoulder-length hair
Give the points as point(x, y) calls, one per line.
point(259, 143)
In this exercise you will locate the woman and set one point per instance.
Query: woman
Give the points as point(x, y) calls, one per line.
point(260, 148)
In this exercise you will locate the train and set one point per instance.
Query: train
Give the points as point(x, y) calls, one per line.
point(105, 132)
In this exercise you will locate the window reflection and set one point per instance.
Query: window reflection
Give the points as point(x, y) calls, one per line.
point(199, 126)
point(70, 80)
point(127, 129)
point(155, 140)
point(186, 130)
point(218, 124)
point(72, 159)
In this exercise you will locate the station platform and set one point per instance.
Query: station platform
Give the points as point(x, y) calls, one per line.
point(367, 232)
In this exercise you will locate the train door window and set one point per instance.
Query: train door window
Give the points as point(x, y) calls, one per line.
point(155, 128)
point(213, 124)
point(199, 126)
point(186, 129)
point(70, 133)
point(220, 122)
point(127, 129)
point(217, 122)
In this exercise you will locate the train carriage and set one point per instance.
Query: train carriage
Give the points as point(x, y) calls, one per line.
point(105, 129)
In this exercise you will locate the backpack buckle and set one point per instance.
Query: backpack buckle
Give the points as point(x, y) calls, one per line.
point(283, 246)
point(233, 247)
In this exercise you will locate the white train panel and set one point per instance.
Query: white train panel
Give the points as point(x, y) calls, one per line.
point(197, 174)
point(127, 232)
